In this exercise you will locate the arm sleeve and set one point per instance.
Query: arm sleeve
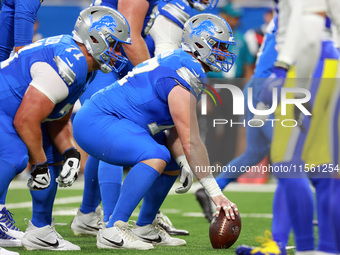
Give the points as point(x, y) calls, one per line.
point(25, 15)
point(46, 80)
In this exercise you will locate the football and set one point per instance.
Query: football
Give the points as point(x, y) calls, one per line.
point(223, 233)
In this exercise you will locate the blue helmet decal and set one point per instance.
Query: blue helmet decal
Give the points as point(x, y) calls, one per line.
point(105, 21)
point(205, 26)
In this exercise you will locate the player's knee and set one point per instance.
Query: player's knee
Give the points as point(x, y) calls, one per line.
point(172, 172)
point(157, 152)
point(18, 158)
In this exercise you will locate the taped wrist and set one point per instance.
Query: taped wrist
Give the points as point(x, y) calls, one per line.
point(210, 185)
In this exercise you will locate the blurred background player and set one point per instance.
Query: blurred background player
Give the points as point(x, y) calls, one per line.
point(59, 61)
point(252, 157)
point(168, 76)
point(168, 26)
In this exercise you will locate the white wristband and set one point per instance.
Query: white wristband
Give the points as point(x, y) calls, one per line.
point(182, 160)
point(210, 185)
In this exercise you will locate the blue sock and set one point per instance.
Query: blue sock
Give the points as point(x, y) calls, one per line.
point(334, 210)
point(43, 200)
point(154, 199)
point(91, 193)
point(281, 226)
point(300, 207)
point(326, 241)
point(7, 174)
point(137, 182)
point(110, 182)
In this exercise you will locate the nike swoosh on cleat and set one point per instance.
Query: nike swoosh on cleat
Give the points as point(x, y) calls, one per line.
point(55, 245)
point(157, 240)
point(94, 228)
point(121, 243)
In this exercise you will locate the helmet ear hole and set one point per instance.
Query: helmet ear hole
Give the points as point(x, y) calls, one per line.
point(94, 39)
point(200, 46)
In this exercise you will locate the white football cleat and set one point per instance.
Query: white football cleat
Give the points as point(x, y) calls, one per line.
point(87, 224)
point(46, 238)
point(6, 240)
point(156, 235)
point(120, 236)
point(7, 252)
point(6, 219)
point(164, 222)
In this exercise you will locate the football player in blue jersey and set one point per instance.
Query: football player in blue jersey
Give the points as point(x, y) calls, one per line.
point(16, 29)
point(39, 85)
point(127, 117)
point(101, 185)
point(258, 139)
point(167, 28)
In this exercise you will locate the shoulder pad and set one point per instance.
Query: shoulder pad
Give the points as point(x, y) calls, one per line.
point(65, 70)
point(192, 78)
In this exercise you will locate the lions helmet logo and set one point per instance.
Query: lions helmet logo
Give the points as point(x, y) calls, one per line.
point(205, 26)
point(105, 21)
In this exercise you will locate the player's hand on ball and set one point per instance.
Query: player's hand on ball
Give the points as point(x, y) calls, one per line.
point(70, 168)
point(223, 203)
point(40, 177)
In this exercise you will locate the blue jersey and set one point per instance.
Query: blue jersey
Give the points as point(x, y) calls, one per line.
point(179, 11)
point(17, 19)
point(63, 54)
point(149, 17)
point(141, 96)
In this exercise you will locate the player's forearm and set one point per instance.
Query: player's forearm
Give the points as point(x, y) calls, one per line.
point(137, 52)
point(174, 143)
point(61, 134)
point(30, 133)
point(197, 156)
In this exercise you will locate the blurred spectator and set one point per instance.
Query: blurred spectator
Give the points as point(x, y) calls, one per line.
point(254, 37)
point(243, 67)
point(36, 36)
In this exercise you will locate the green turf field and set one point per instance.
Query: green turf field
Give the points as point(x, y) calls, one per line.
point(183, 210)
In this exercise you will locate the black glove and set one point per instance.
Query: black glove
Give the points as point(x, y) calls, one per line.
point(40, 177)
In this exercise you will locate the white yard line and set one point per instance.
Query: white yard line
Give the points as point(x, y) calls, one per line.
point(79, 185)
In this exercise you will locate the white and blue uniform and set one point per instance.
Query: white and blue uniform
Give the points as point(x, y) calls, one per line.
point(167, 28)
point(109, 183)
point(63, 55)
point(178, 11)
point(135, 104)
point(122, 119)
point(259, 142)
